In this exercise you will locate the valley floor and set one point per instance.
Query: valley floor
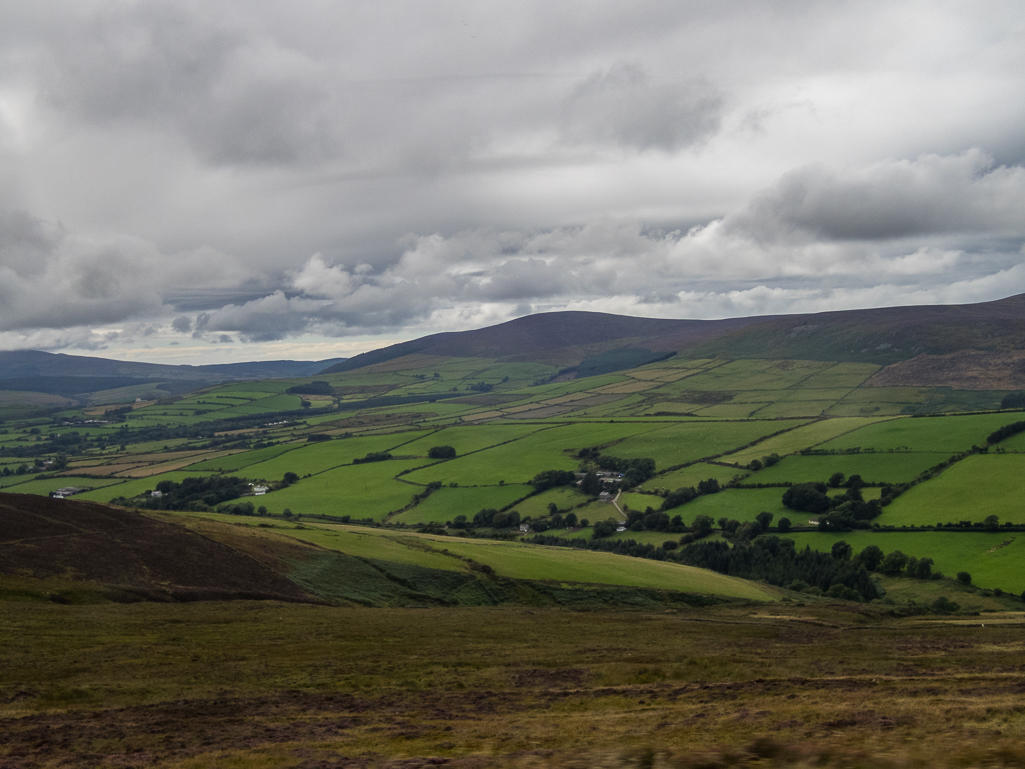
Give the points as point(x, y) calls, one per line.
point(266, 684)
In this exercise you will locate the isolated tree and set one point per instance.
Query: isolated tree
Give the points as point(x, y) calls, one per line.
point(764, 519)
point(441, 452)
point(964, 578)
point(871, 557)
point(841, 551)
point(892, 564)
point(552, 508)
point(711, 486)
point(991, 522)
point(591, 485)
point(702, 525)
point(806, 498)
point(944, 605)
point(289, 478)
point(783, 524)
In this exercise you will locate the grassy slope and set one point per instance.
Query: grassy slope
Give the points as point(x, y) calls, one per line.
point(521, 561)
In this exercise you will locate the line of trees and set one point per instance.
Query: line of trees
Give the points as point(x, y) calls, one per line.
point(1005, 432)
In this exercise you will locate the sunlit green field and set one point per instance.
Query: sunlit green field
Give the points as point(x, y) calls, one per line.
point(361, 491)
point(446, 503)
point(994, 559)
point(942, 434)
point(521, 561)
point(690, 441)
point(898, 467)
point(977, 487)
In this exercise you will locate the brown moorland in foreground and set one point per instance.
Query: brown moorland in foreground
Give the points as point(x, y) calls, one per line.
point(268, 684)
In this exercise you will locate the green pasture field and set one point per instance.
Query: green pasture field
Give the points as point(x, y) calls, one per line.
point(691, 475)
point(842, 375)
point(1015, 442)
point(544, 392)
point(45, 485)
point(631, 500)
point(520, 561)
point(688, 441)
point(468, 438)
point(234, 462)
point(446, 503)
point(970, 490)
point(790, 409)
point(882, 467)
point(625, 405)
point(362, 491)
point(806, 436)
point(805, 393)
point(566, 497)
point(6, 482)
point(521, 460)
point(314, 458)
point(262, 387)
point(945, 434)
point(890, 395)
point(135, 486)
point(741, 505)
point(845, 409)
point(994, 559)
point(731, 410)
point(266, 405)
point(756, 375)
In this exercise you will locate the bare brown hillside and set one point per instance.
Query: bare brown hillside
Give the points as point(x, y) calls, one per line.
point(48, 539)
point(963, 370)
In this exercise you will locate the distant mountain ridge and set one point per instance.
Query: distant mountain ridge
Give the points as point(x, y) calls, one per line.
point(966, 346)
point(26, 364)
point(542, 336)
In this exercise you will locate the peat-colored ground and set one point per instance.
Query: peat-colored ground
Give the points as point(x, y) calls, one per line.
point(288, 685)
point(124, 555)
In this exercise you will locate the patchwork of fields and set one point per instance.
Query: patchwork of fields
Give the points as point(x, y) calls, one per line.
point(509, 421)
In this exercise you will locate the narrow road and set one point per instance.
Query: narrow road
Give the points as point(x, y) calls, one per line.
point(615, 503)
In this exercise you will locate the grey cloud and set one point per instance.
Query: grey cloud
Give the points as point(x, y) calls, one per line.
point(52, 277)
point(237, 97)
point(622, 106)
point(898, 199)
point(182, 324)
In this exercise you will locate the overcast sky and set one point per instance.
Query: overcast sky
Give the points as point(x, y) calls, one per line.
point(212, 181)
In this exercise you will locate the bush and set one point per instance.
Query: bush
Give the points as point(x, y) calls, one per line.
point(964, 578)
point(552, 478)
point(944, 605)
point(373, 456)
point(441, 452)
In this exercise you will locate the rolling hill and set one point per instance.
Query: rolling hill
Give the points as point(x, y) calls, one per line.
point(28, 364)
point(969, 346)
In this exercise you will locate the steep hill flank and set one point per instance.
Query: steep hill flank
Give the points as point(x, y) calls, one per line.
point(532, 336)
point(128, 553)
point(881, 336)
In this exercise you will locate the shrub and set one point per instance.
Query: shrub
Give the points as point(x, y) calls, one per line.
point(441, 452)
